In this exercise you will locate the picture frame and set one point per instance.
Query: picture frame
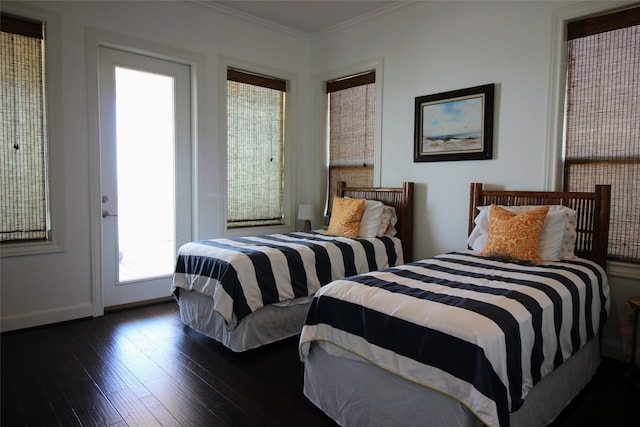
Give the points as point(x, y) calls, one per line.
point(454, 125)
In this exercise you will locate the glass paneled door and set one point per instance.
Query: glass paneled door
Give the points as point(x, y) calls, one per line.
point(145, 173)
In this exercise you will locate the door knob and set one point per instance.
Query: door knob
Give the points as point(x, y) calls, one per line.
point(106, 214)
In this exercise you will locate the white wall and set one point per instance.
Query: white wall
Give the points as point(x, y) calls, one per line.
point(40, 289)
point(426, 48)
point(433, 47)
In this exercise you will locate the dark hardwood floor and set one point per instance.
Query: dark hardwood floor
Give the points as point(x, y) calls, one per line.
point(142, 367)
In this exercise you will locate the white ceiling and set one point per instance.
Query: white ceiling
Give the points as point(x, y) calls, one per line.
point(308, 16)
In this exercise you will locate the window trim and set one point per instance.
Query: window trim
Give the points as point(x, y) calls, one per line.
point(289, 153)
point(53, 78)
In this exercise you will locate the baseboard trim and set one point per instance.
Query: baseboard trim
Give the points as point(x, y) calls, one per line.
point(45, 317)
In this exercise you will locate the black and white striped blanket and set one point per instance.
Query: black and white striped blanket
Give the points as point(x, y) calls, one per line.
point(247, 273)
point(479, 330)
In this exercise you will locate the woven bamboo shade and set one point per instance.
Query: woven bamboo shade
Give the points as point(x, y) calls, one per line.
point(23, 157)
point(255, 150)
point(603, 121)
point(352, 118)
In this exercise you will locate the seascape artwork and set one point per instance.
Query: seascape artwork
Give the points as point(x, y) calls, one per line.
point(454, 126)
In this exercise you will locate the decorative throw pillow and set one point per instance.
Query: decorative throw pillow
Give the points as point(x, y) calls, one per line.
point(515, 236)
point(345, 217)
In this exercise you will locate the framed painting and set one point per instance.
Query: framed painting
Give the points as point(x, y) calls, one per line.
point(454, 125)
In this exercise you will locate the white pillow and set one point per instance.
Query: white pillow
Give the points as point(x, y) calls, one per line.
point(558, 236)
point(371, 217)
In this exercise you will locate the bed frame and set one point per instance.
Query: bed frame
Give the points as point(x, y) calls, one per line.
point(400, 198)
point(592, 210)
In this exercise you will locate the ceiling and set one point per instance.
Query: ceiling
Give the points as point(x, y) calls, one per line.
point(308, 17)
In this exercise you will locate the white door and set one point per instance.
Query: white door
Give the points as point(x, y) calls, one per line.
point(145, 140)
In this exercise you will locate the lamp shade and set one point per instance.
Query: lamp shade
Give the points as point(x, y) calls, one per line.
point(306, 212)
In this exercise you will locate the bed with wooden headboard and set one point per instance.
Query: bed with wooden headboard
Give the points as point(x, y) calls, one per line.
point(468, 338)
point(246, 292)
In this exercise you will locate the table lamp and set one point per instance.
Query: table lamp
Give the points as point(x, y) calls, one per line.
point(306, 213)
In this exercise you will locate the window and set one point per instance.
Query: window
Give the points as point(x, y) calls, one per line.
point(255, 149)
point(352, 124)
point(24, 183)
point(602, 132)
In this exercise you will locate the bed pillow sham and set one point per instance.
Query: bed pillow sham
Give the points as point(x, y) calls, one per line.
point(388, 221)
point(515, 236)
point(558, 237)
point(345, 217)
point(567, 250)
point(371, 217)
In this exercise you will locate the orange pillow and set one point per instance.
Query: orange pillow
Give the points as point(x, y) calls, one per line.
point(515, 236)
point(345, 217)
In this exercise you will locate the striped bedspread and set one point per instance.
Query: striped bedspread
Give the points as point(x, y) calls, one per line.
point(479, 330)
point(245, 274)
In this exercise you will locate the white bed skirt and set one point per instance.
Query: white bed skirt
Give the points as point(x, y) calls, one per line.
point(264, 326)
point(355, 393)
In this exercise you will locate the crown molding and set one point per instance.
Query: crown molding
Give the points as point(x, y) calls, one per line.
point(243, 16)
point(247, 17)
point(396, 5)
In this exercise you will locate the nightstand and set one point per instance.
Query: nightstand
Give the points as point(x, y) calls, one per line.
point(633, 374)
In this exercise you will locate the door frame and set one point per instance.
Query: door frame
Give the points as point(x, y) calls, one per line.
point(95, 39)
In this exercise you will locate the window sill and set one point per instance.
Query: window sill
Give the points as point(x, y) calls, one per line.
point(257, 231)
point(623, 269)
point(32, 248)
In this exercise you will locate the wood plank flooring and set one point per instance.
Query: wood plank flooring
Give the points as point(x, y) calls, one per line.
point(142, 367)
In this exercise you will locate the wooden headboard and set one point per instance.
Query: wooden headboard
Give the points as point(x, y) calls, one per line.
point(400, 198)
point(592, 213)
